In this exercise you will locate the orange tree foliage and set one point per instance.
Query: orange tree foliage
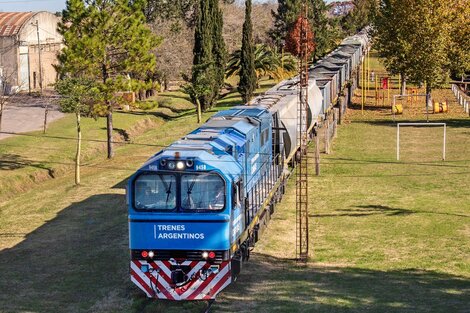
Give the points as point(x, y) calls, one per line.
point(293, 37)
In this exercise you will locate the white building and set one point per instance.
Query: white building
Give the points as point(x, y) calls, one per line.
point(20, 51)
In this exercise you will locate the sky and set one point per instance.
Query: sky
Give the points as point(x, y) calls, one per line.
point(43, 5)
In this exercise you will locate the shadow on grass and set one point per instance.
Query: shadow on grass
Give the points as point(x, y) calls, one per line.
point(122, 133)
point(269, 284)
point(379, 107)
point(376, 209)
point(72, 262)
point(164, 116)
point(10, 162)
point(176, 96)
point(454, 123)
point(367, 210)
point(78, 262)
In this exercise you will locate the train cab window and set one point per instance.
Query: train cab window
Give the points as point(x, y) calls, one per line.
point(237, 194)
point(202, 192)
point(155, 192)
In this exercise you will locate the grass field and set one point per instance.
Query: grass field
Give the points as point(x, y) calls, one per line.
point(386, 236)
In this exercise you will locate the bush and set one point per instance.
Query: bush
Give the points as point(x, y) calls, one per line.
point(147, 105)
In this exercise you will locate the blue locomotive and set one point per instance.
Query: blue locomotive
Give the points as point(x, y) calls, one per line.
point(197, 207)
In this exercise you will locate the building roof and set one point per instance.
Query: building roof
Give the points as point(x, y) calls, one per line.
point(11, 22)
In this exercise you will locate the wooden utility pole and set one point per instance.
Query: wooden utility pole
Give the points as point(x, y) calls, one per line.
point(39, 54)
point(317, 154)
point(46, 108)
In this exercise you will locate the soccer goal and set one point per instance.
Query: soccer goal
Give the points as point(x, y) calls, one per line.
point(422, 125)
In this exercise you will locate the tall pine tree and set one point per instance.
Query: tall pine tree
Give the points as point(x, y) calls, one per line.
point(105, 40)
point(209, 51)
point(287, 13)
point(219, 50)
point(247, 84)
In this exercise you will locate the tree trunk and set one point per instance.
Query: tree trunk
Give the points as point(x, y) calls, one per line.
point(46, 111)
point(198, 108)
point(79, 146)
point(428, 101)
point(109, 128)
point(2, 106)
point(317, 153)
point(403, 85)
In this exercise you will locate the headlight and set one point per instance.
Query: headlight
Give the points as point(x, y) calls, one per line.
point(171, 165)
point(151, 254)
point(205, 254)
point(179, 165)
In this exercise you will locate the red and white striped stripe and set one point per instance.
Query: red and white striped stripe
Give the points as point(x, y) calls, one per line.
point(156, 283)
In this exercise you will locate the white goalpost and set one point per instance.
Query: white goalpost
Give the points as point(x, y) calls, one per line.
point(422, 124)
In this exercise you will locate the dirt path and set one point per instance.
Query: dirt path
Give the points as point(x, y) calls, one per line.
point(25, 113)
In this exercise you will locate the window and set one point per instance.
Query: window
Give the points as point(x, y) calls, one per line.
point(264, 137)
point(202, 192)
point(155, 192)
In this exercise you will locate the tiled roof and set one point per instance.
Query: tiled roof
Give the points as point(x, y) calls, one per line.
point(11, 22)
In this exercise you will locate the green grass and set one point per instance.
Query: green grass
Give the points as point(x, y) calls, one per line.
point(33, 157)
point(386, 236)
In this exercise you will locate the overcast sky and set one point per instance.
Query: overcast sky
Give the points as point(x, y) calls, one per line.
point(46, 5)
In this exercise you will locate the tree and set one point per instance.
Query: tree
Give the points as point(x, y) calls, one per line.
point(5, 94)
point(196, 90)
point(423, 35)
point(325, 29)
point(247, 84)
point(219, 51)
point(79, 97)
point(293, 39)
point(429, 39)
point(105, 40)
point(166, 10)
point(268, 62)
point(287, 13)
point(389, 37)
point(459, 50)
point(360, 16)
point(209, 51)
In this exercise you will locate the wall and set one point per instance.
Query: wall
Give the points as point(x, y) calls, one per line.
point(50, 43)
point(8, 59)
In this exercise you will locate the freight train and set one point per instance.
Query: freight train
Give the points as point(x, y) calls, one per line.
point(198, 207)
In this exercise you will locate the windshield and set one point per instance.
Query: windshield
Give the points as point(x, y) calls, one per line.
point(155, 192)
point(202, 192)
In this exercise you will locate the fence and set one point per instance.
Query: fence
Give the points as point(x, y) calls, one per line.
point(462, 98)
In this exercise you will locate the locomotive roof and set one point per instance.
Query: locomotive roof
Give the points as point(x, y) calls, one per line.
point(242, 125)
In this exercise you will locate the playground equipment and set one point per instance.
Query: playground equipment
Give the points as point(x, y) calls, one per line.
point(440, 107)
point(385, 82)
point(397, 109)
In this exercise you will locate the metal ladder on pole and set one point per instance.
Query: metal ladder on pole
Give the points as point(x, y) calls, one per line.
point(302, 233)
